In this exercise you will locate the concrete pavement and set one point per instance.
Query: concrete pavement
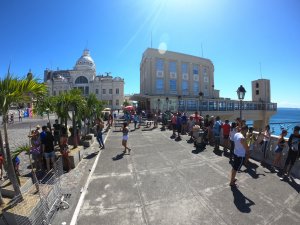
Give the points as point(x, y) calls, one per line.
point(165, 182)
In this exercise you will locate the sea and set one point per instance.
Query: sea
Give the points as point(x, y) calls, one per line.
point(285, 118)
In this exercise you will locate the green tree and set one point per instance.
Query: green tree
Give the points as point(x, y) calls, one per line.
point(13, 91)
point(44, 104)
point(126, 103)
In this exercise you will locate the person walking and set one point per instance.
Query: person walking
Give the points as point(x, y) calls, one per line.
point(99, 130)
point(49, 153)
point(293, 153)
point(240, 150)
point(279, 149)
point(125, 132)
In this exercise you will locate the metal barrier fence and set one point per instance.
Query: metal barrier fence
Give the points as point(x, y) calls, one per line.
point(40, 201)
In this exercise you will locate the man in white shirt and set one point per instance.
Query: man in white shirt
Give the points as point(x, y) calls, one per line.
point(240, 150)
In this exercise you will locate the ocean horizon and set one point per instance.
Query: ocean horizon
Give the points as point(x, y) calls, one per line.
point(285, 118)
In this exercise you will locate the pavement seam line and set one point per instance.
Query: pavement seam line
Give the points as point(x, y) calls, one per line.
point(83, 193)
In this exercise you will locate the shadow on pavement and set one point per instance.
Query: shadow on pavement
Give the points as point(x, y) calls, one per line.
point(118, 157)
point(241, 202)
point(90, 156)
point(198, 150)
point(218, 152)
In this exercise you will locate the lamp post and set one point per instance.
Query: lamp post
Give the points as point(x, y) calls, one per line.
point(241, 95)
point(167, 100)
point(200, 101)
point(179, 98)
point(158, 103)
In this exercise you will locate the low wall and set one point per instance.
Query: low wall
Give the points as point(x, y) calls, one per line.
point(257, 154)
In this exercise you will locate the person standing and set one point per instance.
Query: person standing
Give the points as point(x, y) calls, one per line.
point(279, 149)
point(226, 132)
point(125, 132)
point(240, 150)
point(233, 131)
point(56, 132)
point(293, 153)
point(216, 131)
point(49, 153)
point(64, 148)
point(266, 140)
point(135, 119)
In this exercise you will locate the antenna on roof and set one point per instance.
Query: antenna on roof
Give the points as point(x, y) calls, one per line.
point(151, 40)
point(260, 70)
point(202, 50)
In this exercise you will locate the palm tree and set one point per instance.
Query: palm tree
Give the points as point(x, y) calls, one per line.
point(44, 104)
point(14, 90)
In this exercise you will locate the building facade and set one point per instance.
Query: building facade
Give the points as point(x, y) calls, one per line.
point(180, 82)
point(176, 74)
point(83, 77)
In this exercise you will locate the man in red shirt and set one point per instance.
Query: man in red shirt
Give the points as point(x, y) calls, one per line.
point(226, 131)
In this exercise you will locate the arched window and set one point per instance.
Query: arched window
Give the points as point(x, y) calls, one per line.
point(81, 80)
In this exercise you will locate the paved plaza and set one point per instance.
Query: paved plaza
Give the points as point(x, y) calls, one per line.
point(166, 182)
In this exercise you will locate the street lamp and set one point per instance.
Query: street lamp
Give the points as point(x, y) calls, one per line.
point(200, 101)
point(158, 103)
point(241, 95)
point(167, 100)
point(179, 98)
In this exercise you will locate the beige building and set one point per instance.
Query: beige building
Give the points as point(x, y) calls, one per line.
point(175, 81)
point(176, 74)
point(83, 77)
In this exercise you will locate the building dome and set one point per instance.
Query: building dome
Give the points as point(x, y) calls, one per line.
point(85, 62)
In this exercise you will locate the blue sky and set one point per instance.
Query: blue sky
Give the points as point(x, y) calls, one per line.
point(235, 34)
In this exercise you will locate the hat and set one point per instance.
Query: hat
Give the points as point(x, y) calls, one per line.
point(38, 126)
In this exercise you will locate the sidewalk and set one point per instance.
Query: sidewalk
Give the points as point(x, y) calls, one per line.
point(164, 182)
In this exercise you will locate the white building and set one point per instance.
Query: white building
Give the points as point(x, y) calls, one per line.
point(84, 77)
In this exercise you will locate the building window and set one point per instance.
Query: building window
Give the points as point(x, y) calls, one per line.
point(185, 87)
point(104, 91)
point(191, 105)
point(205, 79)
point(184, 68)
point(196, 88)
point(110, 91)
point(159, 65)
point(172, 67)
point(110, 102)
point(97, 91)
point(257, 85)
point(159, 86)
point(195, 69)
point(173, 87)
point(54, 93)
point(204, 71)
point(117, 91)
point(257, 92)
point(86, 90)
point(81, 80)
point(117, 102)
point(196, 77)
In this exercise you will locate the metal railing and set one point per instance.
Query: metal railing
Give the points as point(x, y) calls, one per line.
point(40, 201)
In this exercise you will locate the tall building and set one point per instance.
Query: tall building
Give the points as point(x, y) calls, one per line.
point(83, 77)
point(173, 74)
point(176, 81)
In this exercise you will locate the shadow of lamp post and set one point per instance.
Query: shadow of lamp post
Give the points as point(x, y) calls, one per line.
point(179, 99)
point(158, 104)
point(241, 95)
point(200, 102)
point(167, 101)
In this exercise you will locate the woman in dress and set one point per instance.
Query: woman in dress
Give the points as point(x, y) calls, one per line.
point(125, 132)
